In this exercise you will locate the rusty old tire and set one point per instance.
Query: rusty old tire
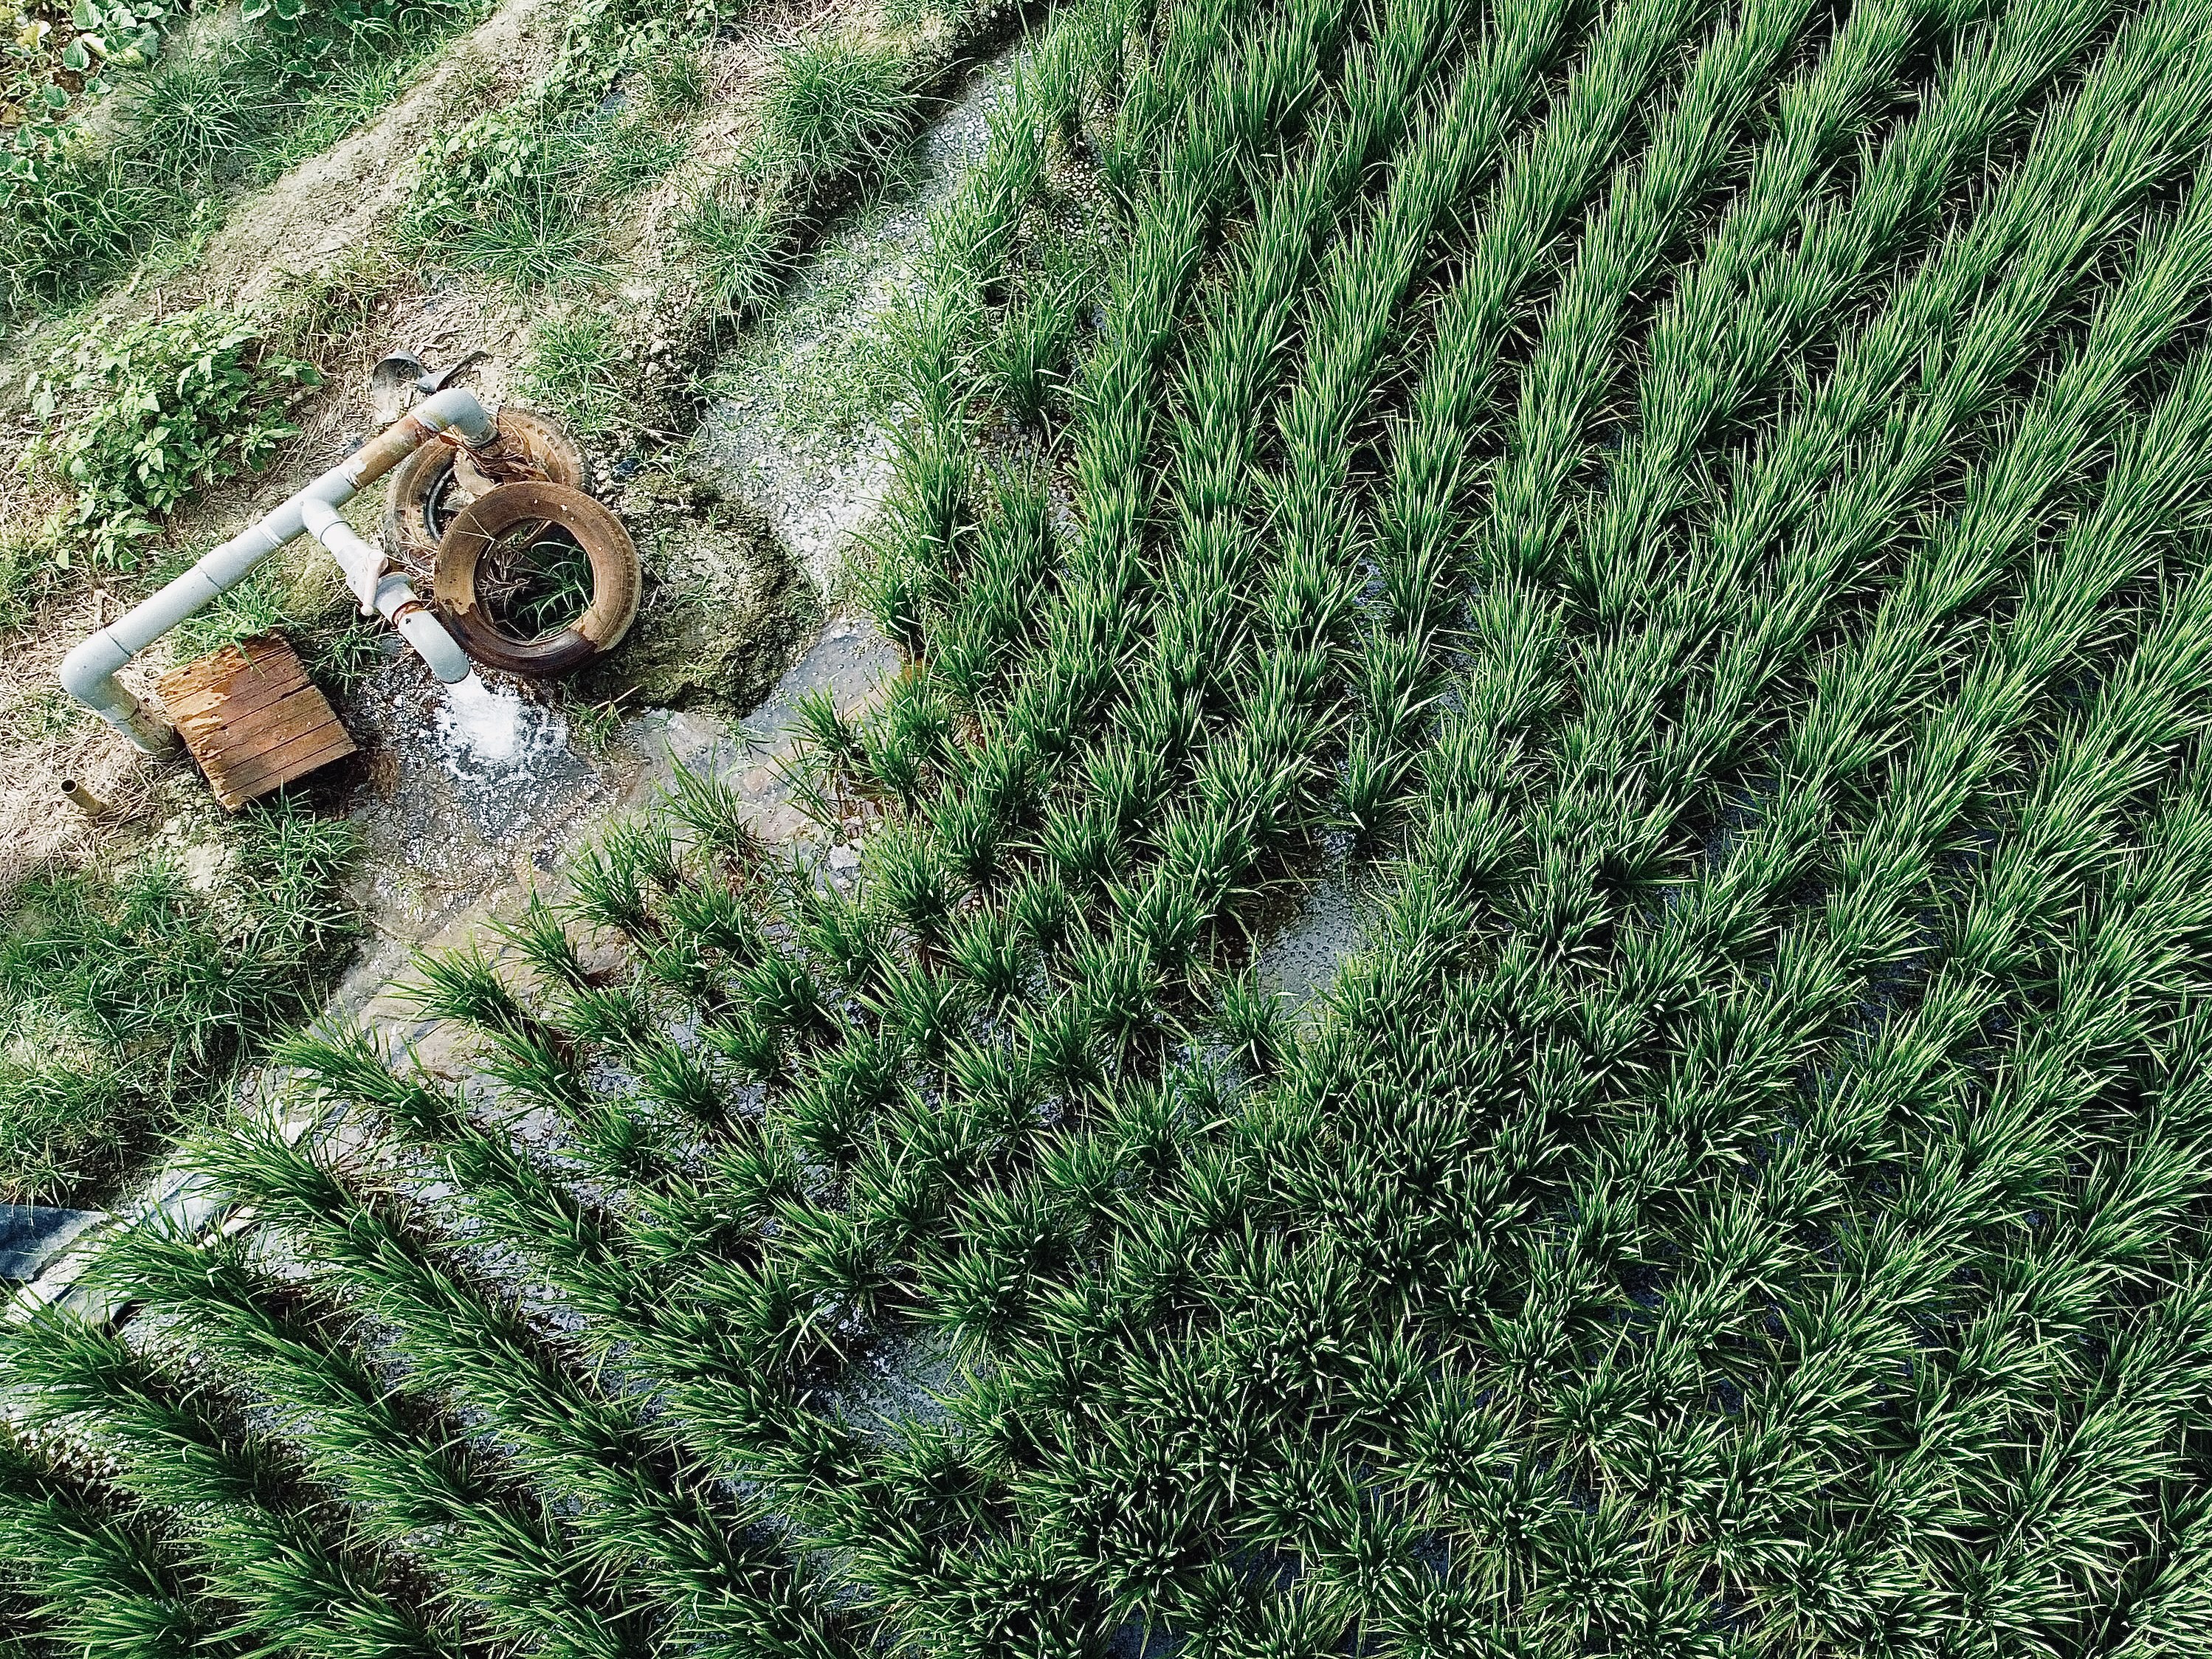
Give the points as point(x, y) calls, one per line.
point(513, 508)
point(413, 520)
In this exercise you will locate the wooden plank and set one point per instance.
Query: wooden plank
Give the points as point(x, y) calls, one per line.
point(263, 774)
point(266, 772)
point(270, 725)
point(259, 783)
point(252, 719)
point(296, 718)
point(249, 691)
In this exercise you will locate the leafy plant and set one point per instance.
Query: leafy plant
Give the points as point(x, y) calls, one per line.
point(140, 414)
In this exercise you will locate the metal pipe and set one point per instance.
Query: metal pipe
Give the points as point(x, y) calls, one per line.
point(88, 674)
point(82, 798)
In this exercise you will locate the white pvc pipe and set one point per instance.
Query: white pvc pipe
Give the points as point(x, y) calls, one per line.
point(88, 674)
point(388, 594)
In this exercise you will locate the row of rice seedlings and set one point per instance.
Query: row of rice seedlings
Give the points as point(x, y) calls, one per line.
point(1486, 95)
point(1740, 313)
point(663, 1526)
point(1245, 1428)
point(409, 1480)
point(1792, 481)
point(1170, 921)
point(257, 1534)
point(97, 1580)
point(1422, 513)
point(1571, 371)
point(1712, 346)
point(1848, 721)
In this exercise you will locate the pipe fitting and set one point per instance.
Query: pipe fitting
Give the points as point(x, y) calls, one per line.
point(88, 674)
point(419, 626)
point(82, 798)
point(363, 565)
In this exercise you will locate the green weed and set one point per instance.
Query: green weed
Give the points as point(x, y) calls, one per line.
point(579, 365)
point(834, 107)
point(139, 415)
point(736, 251)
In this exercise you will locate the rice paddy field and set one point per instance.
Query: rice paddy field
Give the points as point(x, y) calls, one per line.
point(1696, 514)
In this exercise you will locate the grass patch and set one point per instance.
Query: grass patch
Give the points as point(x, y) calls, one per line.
point(301, 593)
point(580, 365)
point(80, 203)
point(835, 108)
point(128, 997)
point(810, 362)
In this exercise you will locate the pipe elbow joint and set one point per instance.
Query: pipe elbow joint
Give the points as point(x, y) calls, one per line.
point(459, 410)
point(88, 674)
point(419, 626)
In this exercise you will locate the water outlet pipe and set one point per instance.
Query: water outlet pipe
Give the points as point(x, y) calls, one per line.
point(88, 674)
point(385, 594)
point(82, 798)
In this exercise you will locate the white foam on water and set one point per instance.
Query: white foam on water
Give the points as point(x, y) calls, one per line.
point(481, 729)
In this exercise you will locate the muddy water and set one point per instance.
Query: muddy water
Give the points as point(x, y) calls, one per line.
point(1300, 962)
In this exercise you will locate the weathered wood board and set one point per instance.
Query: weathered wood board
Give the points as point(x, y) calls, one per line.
point(252, 719)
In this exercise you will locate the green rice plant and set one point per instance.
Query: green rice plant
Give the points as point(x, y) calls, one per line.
point(609, 888)
point(103, 1581)
point(714, 1577)
point(401, 1472)
point(261, 1548)
point(1740, 1191)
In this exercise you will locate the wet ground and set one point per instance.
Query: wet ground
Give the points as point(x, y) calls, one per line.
point(465, 806)
point(483, 803)
point(796, 429)
point(1299, 963)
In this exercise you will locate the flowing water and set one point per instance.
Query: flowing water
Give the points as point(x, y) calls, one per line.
point(482, 728)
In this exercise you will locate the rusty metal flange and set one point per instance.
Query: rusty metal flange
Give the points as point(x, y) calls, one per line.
point(416, 512)
point(525, 510)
